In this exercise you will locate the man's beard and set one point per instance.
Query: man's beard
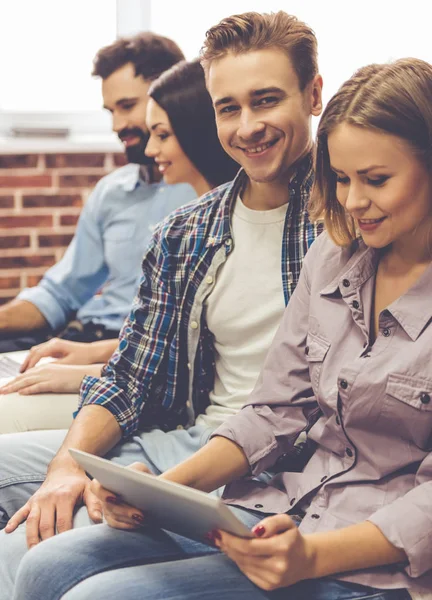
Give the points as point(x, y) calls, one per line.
point(135, 153)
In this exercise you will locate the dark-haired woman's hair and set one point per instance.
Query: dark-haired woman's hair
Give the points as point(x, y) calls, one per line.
point(181, 92)
point(150, 54)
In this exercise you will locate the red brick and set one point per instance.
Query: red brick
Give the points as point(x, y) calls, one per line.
point(69, 219)
point(6, 201)
point(74, 160)
point(52, 201)
point(120, 159)
point(18, 161)
point(26, 221)
point(79, 180)
point(19, 262)
point(9, 283)
point(23, 181)
point(33, 280)
point(14, 241)
point(58, 240)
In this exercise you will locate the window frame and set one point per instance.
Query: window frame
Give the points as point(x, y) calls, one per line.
point(132, 16)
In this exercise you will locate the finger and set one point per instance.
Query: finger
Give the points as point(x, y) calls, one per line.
point(34, 356)
point(32, 526)
point(15, 385)
point(100, 492)
point(64, 515)
point(37, 388)
point(141, 467)
point(94, 506)
point(273, 525)
point(127, 526)
point(229, 543)
point(19, 517)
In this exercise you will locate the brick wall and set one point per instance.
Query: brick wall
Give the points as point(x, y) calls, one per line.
point(41, 197)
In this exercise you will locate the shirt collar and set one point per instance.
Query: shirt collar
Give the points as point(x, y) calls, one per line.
point(412, 310)
point(221, 227)
point(131, 177)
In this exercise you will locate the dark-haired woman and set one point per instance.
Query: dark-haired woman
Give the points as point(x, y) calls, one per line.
point(183, 137)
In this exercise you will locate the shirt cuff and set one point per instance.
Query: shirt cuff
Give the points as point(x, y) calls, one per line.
point(407, 525)
point(254, 437)
point(44, 301)
point(101, 392)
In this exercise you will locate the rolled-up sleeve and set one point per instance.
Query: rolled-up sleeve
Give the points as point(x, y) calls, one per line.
point(282, 404)
point(407, 522)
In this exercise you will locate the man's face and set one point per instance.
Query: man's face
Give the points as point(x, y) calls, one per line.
point(125, 96)
point(263, 118)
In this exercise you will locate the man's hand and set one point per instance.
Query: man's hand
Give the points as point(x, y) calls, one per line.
point(50, 510)
point(65, 351)
point(118, 514)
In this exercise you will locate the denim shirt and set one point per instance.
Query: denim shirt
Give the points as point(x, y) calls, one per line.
point(163, 369)
point(373, 437)
point(113, 231)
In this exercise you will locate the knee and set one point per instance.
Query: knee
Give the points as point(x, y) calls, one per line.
point(44, 572)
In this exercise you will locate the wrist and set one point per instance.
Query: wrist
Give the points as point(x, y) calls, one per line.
point(63, 461)
point(311, 550)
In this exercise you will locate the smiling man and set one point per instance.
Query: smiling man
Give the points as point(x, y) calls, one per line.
point(95, 282)
point(215, 283)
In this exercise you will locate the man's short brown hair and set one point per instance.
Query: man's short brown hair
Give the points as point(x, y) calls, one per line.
point(150, 54)
point(255, 31)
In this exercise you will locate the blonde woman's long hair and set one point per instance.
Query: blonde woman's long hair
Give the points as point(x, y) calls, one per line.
point(393, 98)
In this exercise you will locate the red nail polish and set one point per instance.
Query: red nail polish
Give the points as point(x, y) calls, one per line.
point(259, 530)
point(138, 518)
point(216, 534)
point(210, 538)
point(112, 500)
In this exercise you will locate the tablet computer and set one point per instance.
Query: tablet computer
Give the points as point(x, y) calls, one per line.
point(168, 505)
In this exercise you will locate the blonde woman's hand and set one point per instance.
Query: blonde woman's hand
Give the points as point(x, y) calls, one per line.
point(278, 557)
point(53, 377)
point(116, 513)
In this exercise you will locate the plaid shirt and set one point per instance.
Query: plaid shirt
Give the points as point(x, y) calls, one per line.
point(163, 370)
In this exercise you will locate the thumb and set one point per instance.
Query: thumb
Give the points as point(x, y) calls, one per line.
point(273, 525)
point(141, 467)
point(94, 505)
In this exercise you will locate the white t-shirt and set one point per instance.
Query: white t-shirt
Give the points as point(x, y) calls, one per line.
point(245, 308)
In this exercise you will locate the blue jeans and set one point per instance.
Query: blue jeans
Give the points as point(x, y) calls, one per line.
point(104, 563)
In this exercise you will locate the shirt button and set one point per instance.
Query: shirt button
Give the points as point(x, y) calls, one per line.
point(355, 304)
point(189, 366)
point(346, 283)
point(209, 279)
point(188, 404)
point(337, 420)
point(292, 501)
point(179, 427)
point(386, 332)
point(343, 383)
point(349, 452)
point(194, 325)
point(229, 242)
point(424, 398)
point(323, 478)
point(315, 516)
point(258, 505)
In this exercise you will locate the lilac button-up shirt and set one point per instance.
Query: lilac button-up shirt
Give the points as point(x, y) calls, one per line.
point(373, 459)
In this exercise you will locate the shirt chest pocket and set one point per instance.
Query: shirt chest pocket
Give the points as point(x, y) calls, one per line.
point(315, 352)
point(408, 408)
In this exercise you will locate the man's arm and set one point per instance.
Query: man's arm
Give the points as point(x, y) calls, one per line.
point(19, 316)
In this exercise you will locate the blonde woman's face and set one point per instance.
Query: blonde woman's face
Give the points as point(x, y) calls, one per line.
point(381, 183)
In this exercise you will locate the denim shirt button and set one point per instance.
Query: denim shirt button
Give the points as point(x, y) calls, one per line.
point(346, 283)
